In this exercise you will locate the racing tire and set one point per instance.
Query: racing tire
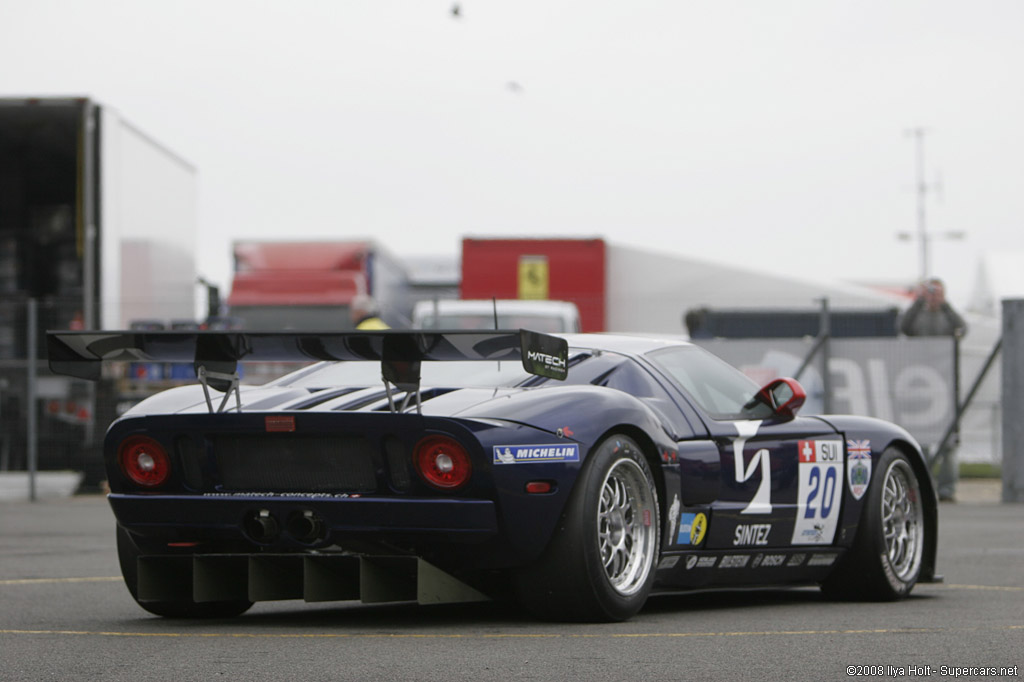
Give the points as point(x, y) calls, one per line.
point(885, 560)
point(601, 560)
point(128, 554)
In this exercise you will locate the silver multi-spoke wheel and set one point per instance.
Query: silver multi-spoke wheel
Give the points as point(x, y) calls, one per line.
point(626, 534)
point(600, 562)
point(894, 534)
point(902, 520)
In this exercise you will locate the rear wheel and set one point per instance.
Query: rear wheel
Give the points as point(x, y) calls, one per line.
point(599, 565)
point(885, 560)
point(128, 555)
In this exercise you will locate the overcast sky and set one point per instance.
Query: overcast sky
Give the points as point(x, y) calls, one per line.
point(766, 133)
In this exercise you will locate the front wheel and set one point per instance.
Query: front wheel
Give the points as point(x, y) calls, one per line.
point(600, 563)
point(885, 560)
point(128, 556)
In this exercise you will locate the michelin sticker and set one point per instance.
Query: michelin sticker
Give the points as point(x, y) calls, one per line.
point(520, 454)
point(858, 466)
point(820, 491)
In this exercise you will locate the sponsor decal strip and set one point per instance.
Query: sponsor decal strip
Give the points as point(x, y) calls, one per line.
point(518, 454)
point(759, 560)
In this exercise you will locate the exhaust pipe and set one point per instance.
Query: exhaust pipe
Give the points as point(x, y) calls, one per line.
point(261, 526)
point(305, 527)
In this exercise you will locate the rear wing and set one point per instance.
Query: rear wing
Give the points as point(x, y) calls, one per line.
point(215, 354)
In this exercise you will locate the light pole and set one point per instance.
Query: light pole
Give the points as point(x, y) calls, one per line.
point(922, 188)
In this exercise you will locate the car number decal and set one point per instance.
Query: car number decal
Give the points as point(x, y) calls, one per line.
point(820, 491)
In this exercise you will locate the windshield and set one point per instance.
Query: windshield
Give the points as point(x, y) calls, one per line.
point(457, 374)
point(719, 388)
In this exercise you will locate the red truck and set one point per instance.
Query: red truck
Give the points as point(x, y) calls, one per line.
point(309, 285)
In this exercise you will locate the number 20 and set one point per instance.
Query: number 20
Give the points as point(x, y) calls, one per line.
point(827, 492)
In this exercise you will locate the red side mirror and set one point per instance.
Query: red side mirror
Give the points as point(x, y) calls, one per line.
point(784, 396)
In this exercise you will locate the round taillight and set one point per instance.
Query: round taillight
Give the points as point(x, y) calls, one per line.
point(442, 462)
point(144, 461)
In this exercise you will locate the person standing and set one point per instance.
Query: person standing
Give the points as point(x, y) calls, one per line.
point(364, 314)
point(931, 315)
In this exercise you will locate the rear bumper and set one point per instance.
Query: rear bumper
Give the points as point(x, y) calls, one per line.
point(186, 518)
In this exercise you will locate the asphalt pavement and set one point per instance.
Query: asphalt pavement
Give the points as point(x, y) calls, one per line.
point(66, 615)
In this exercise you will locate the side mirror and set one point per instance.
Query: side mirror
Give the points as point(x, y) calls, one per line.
point(782, 398)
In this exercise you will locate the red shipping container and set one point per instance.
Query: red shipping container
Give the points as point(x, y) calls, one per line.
point(562, 269)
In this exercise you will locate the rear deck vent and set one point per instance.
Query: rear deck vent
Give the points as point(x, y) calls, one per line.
point(269, 463)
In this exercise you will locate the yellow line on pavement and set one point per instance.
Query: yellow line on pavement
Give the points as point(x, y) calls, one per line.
point(40, 581)
point(652, 635)
point(117, 578)
point(238, 635)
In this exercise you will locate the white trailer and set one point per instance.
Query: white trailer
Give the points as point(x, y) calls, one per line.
point(95, 215)
point(98, 226)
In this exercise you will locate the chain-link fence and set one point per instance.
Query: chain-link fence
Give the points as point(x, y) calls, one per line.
point(919, 383)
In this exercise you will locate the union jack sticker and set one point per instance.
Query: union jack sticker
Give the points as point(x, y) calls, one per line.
point(858, 466)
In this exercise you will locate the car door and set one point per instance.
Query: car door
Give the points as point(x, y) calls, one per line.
point(779, 478)
point(780, 484)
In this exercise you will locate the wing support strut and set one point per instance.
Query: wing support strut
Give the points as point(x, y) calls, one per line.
point(404, 376)
point(226, 379)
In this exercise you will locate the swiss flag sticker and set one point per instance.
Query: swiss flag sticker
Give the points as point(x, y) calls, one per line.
point(805, 451)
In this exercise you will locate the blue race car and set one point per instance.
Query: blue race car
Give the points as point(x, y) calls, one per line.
point(578, 474)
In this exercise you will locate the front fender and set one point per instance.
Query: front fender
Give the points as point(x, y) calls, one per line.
point(881, 435)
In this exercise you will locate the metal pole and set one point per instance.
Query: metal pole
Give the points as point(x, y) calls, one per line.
point(922, 192)
point(31, 421)
point(961, 407)
point(5, 442)
point(825, 332)
point(807, 359)
point(87, 206)
point(1012, 388)
point(958, 406)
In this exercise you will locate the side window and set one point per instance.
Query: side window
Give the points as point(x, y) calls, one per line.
point(630, 379)
point(634, 380)
point(717, 387)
